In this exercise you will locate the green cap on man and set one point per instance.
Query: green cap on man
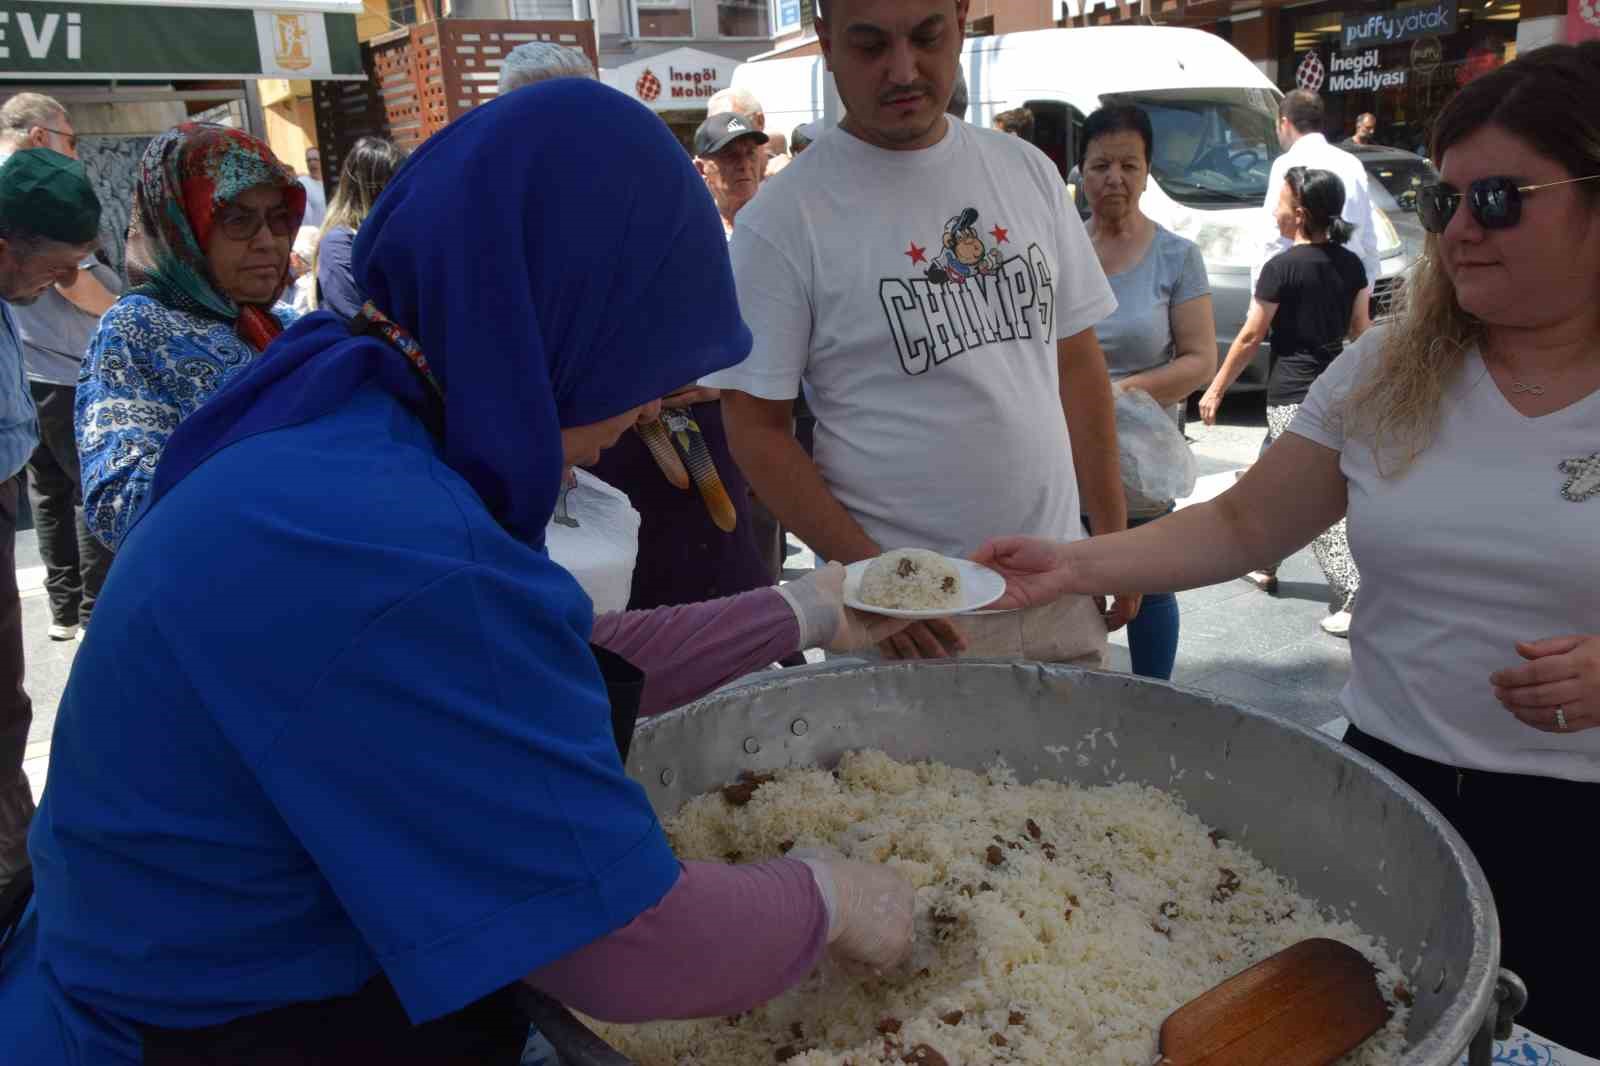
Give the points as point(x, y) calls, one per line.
point(47, 194)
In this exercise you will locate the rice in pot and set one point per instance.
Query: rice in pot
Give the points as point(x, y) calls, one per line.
point(1055, 923)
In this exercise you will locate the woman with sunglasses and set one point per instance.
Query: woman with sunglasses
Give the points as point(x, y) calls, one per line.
point(1312, 296)
point(215, 216)
point(1463, 442)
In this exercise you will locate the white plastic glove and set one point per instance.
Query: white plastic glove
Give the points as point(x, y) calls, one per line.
point(825, 622)
point(869, 912)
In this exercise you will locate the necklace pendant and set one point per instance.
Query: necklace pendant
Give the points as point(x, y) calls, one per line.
point(1583, 478)
point(1532, 390)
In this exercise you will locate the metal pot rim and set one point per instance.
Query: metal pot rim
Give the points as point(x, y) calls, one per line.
point(1450, 1035)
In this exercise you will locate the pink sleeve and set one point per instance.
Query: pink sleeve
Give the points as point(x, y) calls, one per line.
point(686, 652)
point(724, 940)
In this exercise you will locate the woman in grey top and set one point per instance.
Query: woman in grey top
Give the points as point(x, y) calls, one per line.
point(1162, 338)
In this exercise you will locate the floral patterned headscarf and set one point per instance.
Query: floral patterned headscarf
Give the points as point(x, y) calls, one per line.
point(186, 174)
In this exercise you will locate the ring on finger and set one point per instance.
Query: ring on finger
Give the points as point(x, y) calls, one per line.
point(1561, 719)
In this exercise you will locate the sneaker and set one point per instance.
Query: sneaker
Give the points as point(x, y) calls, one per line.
point(1337, 624)
point(1265, 580)
point(60, 632)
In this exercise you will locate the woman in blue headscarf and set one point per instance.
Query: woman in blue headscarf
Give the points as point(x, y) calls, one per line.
point(336, 769)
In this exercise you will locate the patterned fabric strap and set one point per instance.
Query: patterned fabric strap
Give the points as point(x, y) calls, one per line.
point(375, 321)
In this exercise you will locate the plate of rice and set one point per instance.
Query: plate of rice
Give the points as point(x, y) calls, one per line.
point(915, 583)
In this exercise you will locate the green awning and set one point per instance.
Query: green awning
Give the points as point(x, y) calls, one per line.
point(92, 41)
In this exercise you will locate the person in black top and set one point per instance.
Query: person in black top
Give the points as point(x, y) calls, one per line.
point(1312, 297)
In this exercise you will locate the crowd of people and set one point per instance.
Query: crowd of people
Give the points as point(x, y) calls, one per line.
point(341, 760)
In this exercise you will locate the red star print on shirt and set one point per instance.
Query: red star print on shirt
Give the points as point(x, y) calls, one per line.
point(915, 253)
point(1001, 236)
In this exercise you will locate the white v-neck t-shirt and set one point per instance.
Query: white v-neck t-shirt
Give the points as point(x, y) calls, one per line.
point(918, 297)
point(1490, 538)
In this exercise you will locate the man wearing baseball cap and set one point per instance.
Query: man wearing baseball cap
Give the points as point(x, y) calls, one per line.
point(49, 223)
point(730, 154)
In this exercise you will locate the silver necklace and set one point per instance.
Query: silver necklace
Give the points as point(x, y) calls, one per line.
point(1519, 388)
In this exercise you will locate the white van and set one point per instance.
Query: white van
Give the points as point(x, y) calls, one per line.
point(1215, 117)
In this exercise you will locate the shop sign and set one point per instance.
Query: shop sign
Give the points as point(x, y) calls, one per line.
point(1402, 24)
point(788, 15)
point(682, 79)
point(1426, 54)
point(1583, 21)
point(1310, 74)
point(92, 41)
point(1360, 73)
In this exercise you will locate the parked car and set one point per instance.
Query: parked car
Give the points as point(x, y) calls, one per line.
point(1396, 176)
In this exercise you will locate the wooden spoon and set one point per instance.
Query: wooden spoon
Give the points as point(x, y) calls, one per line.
point(1305, 1006)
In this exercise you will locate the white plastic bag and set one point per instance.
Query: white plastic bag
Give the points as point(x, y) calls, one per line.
point(1157, 465)
point(595, 537)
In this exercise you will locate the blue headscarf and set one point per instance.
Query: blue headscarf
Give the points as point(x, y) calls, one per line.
point(559, 261)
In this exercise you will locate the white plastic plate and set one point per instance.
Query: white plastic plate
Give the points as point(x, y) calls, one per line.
point(980, 587)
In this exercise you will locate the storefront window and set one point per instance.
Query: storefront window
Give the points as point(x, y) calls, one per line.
point(1212, 147)
point(665, 18)
point(1374, 58)
point(744, 18)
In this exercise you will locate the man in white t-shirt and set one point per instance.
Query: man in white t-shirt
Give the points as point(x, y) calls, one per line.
point(1300, 119)
point(929, 285)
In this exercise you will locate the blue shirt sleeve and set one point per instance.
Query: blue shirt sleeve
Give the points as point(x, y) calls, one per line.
point(455, 779)
point(123, 419)
point(336, 281)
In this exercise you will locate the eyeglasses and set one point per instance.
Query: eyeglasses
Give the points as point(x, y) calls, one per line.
point(241, 225)
point(1495, 203)
point(72, 138)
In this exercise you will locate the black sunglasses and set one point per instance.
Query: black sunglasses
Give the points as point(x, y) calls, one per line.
point(240, 225)
point(1495, 203)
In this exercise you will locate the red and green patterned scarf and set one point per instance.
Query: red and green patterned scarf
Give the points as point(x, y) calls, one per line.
point(186, 174)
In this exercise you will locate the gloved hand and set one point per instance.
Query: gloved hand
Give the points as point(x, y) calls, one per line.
point(869, 912)
point(825, 622)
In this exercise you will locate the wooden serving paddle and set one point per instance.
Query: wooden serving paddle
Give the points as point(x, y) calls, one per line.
point(1305, 1006)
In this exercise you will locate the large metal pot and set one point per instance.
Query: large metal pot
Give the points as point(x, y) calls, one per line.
point(1350, 833)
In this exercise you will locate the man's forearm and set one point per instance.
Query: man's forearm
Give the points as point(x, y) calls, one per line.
point(789, 483)
point(1092, 425)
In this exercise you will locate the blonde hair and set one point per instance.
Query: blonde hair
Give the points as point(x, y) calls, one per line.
point(1550, 99)
point(1395, 405)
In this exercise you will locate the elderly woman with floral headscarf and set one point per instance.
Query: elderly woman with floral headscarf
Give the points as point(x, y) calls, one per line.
point(215, 215)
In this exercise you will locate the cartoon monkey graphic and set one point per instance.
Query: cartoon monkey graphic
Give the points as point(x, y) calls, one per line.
point(964, 256)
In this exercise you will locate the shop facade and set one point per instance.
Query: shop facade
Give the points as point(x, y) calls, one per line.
point(126, 71)
point(677, 85)
point(1398, 59)
point(1400, 63)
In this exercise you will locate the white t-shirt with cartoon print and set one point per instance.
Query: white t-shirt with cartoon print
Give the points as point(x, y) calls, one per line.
point(918, 296)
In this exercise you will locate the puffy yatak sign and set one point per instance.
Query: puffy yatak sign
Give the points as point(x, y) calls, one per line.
point(1402, 24)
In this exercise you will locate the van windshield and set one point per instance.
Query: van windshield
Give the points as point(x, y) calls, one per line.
point(1213, 147)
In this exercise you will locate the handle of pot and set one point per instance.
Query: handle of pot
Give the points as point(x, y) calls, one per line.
point(1510, 996)
point(575, 1045)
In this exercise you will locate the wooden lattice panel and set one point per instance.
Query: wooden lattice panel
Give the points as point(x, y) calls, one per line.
point(422, 78)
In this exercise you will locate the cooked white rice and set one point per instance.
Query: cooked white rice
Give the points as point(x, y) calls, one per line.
point(911, 579)
point(1056, 923)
